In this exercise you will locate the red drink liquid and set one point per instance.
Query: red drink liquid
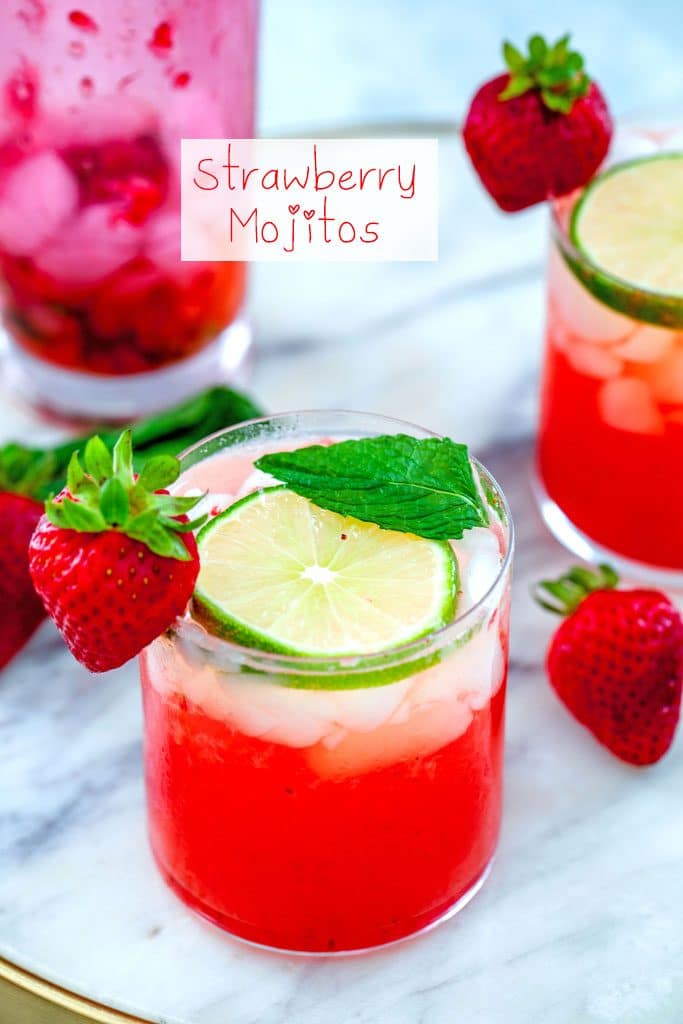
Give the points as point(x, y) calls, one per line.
point(324, 820)
point(251, 835)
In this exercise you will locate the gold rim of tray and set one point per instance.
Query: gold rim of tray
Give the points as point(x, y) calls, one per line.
point(35, 999)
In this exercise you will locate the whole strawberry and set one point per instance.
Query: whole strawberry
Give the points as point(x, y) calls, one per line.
point(540, 130)
point(113, 558)
point(21, 610)
point(617, 661)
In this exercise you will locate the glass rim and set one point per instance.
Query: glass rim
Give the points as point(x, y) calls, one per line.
point(560, 232)
point(295, 664)
point(561, 236)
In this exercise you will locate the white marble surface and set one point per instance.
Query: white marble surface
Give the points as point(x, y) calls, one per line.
point(581, 917)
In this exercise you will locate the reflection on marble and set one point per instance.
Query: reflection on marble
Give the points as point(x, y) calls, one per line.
point(580, 919)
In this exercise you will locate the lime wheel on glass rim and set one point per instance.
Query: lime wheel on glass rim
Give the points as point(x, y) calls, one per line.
point(627, 230)
point(280, 574)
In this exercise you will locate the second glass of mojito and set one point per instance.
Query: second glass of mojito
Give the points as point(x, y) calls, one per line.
point(611, 433)
point(324, 728)
point(103, 319)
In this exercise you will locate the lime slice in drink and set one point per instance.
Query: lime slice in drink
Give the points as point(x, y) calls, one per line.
point(280, 574)
point(629, 224)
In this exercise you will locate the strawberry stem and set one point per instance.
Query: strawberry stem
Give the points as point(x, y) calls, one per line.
point(564, 595)
point(554, 71)
point(104, 494)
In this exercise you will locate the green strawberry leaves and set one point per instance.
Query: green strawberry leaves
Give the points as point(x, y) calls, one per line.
point(554, 70)
point(426, 487)
point(160, 471)
point(564, 595)
point(114, 503)
point(103, 493)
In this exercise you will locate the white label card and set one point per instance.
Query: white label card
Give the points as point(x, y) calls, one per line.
point(309, 199)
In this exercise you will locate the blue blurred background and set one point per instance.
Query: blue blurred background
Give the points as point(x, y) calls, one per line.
point(328, 62)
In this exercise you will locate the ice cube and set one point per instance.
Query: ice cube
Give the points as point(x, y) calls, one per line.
point(627, 404)
point(594, 361)
point(579, 311)
point(467, 671)
point(437, 709)
point(295, 718)
point(558, 335)
point(666, 378)
point(256, 481)
point(162, 242)
point(95, 244)
point(479, 558)
point(366, 709)
point(39, 195)
point(190, 113)
point(100, 120)
point(647, 344)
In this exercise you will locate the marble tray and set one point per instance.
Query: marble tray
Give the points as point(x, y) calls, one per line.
point(581, 917)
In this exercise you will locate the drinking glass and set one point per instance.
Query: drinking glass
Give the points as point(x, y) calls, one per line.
point(326, 804)
point(611, 429)
point(102, 318)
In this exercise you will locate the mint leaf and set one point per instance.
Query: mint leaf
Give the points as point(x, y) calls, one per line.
point(24, 471)
point(424, 486)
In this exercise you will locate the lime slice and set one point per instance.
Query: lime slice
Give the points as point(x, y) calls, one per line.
point(629, 224)
point(280, 574)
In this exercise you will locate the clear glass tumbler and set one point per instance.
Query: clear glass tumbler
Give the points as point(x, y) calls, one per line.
point(610, 442)
point(102, 318)
point(295, 802)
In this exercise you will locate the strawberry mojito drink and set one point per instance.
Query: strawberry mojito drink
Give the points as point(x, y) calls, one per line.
point(611, 433)
point(103, 317)
point(324, 728)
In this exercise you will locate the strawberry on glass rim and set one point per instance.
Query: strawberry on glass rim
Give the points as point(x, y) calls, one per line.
point(616, 661)
point(113, 558)
point(539, 130)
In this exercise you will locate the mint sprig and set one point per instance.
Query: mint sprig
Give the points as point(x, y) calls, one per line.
point(39, 472)
point(23, 471)
point(555, 71)
point(422, 486)
point(105, 494)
